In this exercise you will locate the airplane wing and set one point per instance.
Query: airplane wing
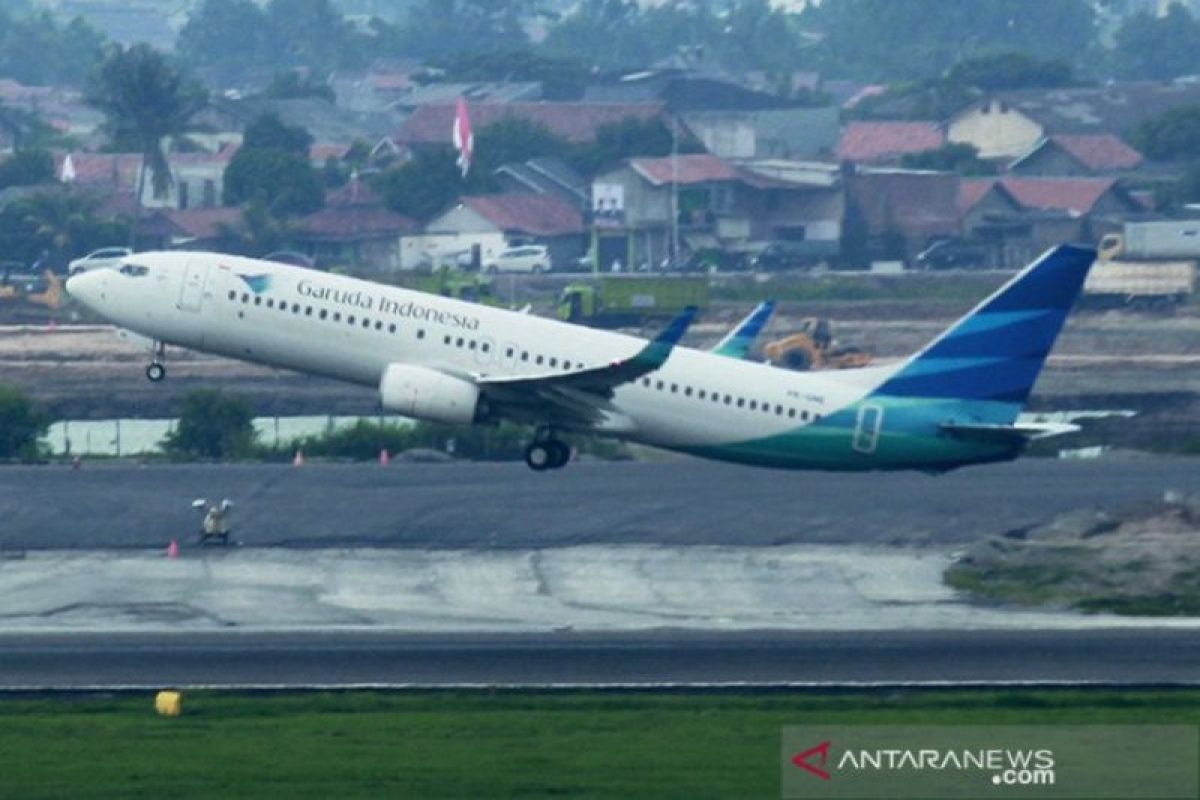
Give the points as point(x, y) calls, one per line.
point(737, 342)
point(583, 396)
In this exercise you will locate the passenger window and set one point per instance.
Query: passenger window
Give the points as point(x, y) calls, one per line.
point(674, 388)
point(421, 334)
point(232, 295)
point(792, 413)
point(471, 345)
point(447, 340)
point(753, 405)
point(245, 297)
point(460, 342)
point(554, 362)
point(323, 314)
point(659, 385)
point(270, 302)
point(485, 347)
point(308, 311)
point(700, 394)
point(350, 319)
point(337, 316)
point(728, 400)
point(741, 402)
point(540, 359)
point(295, 308)
point(687, 391)
point(524, 355)
point(366, 322)
point(509, 353)
point(392, 328)
point(257, 300)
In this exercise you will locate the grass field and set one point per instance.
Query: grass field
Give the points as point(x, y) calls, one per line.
point(480, 744)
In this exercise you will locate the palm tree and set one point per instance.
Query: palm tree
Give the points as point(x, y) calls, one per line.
point(145, 98)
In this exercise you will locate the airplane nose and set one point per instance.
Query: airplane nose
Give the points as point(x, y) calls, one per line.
point(86, 287)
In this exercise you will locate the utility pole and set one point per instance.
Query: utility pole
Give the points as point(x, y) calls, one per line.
point(674, 191)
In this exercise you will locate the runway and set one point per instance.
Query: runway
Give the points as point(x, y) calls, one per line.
point(498, 506)
point(653, 660)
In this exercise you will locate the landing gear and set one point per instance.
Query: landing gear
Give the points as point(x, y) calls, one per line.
point(156, 371)
point(547, 452)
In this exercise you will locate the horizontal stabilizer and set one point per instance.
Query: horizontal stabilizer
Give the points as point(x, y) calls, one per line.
point(1014, 434)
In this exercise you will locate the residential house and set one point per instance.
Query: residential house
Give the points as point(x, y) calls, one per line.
point(1008, 125)
point(190, 229)
point(901, 211)
point(551, 176)
point(481, 226)
point(355, 230)
point(196, 181)
point(870, 142)
point(1064, 155)
point(721, 206)
point(1025, 216)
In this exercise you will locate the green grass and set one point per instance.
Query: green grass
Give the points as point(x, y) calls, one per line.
point(479, 744)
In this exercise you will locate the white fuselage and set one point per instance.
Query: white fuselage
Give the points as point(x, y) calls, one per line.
point(352, 330)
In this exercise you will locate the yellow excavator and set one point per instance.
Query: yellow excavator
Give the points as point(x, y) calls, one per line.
point(813, 348)
point(44, 290)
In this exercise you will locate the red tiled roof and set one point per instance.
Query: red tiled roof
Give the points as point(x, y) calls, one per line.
point(685, 169)
point(354, 193)
point(533, 214)
point(1099, 152)
point(350, 222)
point(1074, 195)
point(203, 223)
point(113, 169)
point(887, 141)
point(320, 153)
point(575, 122)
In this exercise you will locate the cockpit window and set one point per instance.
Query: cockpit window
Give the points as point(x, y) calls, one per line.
point(134, 270)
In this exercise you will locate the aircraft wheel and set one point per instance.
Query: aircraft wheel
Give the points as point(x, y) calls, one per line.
point(539, 456)
point(561, 452)
point(156, 372)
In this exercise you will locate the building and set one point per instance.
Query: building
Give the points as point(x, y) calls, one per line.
point(868, 142)
point(355, 231)
point(1079, 155)
point(723, 207)
point(479, 227)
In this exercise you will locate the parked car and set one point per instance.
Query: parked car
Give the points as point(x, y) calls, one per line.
point(98, 259)
point(533, 258)
point(953, 254)
point(782, 255)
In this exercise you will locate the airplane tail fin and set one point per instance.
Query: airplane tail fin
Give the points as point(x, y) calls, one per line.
point(995, 353)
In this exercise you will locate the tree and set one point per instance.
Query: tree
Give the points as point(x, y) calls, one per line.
point(860, 37)
point(1013, 70)
point(257, 233)
point(213, 424)
point(951, 157)
point(269, 132)
point(442, 29)
point(59, 223)
point(1152, 48)
point(1173, 135)
point(284, 182)
point(27, 168)
point(423, 186)
point(21, 424)
point(1172, 195)
point(35, 49)
point(294, 83)
point(145, 98)
point(224, 39)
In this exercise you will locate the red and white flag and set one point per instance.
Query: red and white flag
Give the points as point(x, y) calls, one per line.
point(464, 139)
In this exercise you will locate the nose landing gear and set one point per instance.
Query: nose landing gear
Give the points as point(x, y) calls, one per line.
point(547, 452)
point(156, 371)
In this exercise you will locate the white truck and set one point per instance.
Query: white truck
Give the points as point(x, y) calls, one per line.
point(1147, 265)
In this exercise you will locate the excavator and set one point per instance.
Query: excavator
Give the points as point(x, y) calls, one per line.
point(44, 290)
point(813, 347)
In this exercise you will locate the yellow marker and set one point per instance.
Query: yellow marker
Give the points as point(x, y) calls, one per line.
point(169, 704)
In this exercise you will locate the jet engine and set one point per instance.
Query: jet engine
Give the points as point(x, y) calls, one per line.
point(427, 394)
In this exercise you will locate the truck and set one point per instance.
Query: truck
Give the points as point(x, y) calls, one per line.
point(1147, 265)
point(614, 301)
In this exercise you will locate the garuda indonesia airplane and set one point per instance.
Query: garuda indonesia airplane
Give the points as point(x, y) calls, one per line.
point(956, 402)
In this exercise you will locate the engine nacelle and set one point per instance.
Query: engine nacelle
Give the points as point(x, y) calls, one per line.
point(427, 394)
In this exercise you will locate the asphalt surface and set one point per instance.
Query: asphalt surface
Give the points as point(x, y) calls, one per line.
point(1111, 657)
point(507, 506)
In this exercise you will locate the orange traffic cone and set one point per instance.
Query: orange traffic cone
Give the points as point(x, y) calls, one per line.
point(298, 461)
point(385, 458)
point(173, 549)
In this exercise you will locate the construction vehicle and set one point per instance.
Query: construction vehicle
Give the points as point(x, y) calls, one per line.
point(455, 283)
point(813, 348)
point(40, 290)
point(1148, 265)
point(615, 301)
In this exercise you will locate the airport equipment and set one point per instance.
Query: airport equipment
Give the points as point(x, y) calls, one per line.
point(453, 283)
point(621, 300)
point(1148, 265)
point(168, 703)
point(39, 290)
point(813, 347)
point(215, 527)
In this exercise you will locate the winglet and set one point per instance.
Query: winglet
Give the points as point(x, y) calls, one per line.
point(655, 354)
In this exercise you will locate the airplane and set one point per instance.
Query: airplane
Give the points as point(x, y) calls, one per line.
point(955, 402)
point(739, 341)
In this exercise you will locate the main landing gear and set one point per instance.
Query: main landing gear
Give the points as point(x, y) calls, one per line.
point(547, 452)
point(156, 371)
